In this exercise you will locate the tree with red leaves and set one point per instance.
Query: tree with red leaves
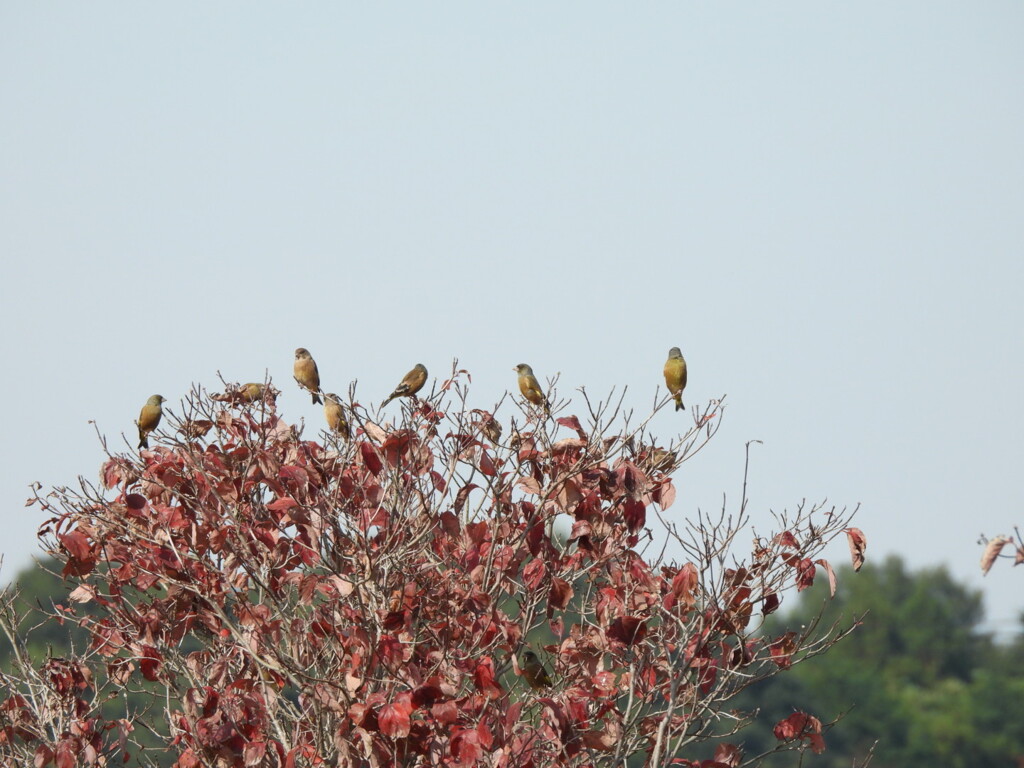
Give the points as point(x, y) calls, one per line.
point(286, 601)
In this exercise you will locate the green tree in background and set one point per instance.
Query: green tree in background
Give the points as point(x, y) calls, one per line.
point(916, 676)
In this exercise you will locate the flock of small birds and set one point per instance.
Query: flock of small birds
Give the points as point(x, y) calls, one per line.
point(308, 377)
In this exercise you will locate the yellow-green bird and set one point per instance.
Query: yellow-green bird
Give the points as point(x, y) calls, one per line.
point(335, 415)
point(530, 387)
point(149, 418)
point(411, 384)
point(675, 375)
point(534, 672)
point(251, 392)
point(306, 373)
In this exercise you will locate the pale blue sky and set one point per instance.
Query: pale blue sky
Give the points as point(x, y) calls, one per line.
point(821, 203)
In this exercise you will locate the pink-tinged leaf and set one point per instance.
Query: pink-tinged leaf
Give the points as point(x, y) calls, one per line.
point(665, 494)
point(568, 496)
point(483, 677)
point(580, 529)
point(1019, 558)
point(684, 585)
point(728, 754)
point(395, 720)
point(992, 550)
point(858, 544)
point(831, 576)
point(465, 747)
point(82, 594)
point(571, 422)
point(445, 712)
point(253, 753)
point(65, 757)
point(76, 544)
point(534, 573)
point(529, 485)
point(374, 432)
point(43, 756)
point(279, 505)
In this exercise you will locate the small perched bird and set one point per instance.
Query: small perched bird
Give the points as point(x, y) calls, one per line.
point(675, 375)
point(530, 387)
point(335, 415)
point(149, 418)
point(534, 672)
point(306, 373)
point(253, 391)
point(410, 385)
point(491, 428)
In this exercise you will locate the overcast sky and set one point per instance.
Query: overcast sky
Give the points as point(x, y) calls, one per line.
point(822, 204)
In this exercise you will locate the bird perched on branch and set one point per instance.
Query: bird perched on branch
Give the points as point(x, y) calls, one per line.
point(306, 373)
point(530, 387)
point(675, 375)
point(253, 391)
point(149, 418)
point(534, 672)
point(410, 385)
point(335, 415)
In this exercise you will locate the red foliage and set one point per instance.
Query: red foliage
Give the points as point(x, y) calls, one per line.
point(358, 603)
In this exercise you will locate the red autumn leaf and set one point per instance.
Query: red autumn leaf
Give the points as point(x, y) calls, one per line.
point(135, 502)
point(279, 505)
point(992, 550)
point(534, 574)
point(804, 574)
point(561, 594)
point(529, 485)
point(786, 539)
point(800, 725)
point(665, 494)
point(635, 514)
point(728, 754)
point(831, 576)
point(858, 543)
point(462, 495)
point(571, 422)
point(483, 677)
point(445, 712)
point(82, 593)
point(394, 718)
point(770, 604)
point(782, 650)
point(150, 663)
point(76, 544)
point(371, 459)
point(486, 464)
point(580, 529)
point(684, 585)
point(253, 753)
point(628, 630)
point(465, 747)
